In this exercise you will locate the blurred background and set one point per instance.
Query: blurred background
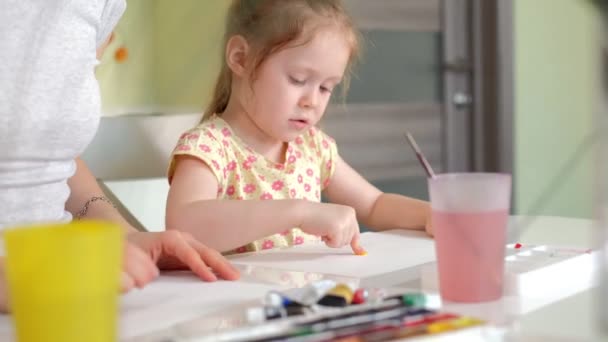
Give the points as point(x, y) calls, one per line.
point(483, 85)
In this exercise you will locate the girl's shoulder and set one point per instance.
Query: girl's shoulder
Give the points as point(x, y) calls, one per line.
point(214, 128)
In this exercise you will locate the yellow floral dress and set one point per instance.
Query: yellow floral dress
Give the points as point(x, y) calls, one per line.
point(243, 174)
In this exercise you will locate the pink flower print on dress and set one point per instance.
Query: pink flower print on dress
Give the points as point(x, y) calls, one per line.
point(326, 183)
point(309, 172)
point(239, 198)
point(300, 179)
point(311, 132)
point(204, 148)
point(219, 190)
point(184, 135)
point(262, 178)
point(212, 125)
point(292, 193)
point(193, 136)
point(230, 190)
point(242, 249)
point(299, 240)
point(226, 132)
point(317, 195)
point(312, 144)
point(298, 154)
point(277, 185)
point(183, 148)
point(285, 232)
point(226, 142)
point(325, 144)
point(231, 166)
point(210, 135)
point(251, 158)
point(307, 187)
point(249, 188)
point(247, 165)
point(328, 165)
point(215, 165)
point(299, 141)
point(279, 166)
point(291, 159)
point(318, 180)
point(267, 244)
point(266, 196)
point(237, 177)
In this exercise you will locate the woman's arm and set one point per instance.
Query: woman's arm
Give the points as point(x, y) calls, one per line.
point(3, 288)
point(83, 187)
point(378, 210)
point(145, 250)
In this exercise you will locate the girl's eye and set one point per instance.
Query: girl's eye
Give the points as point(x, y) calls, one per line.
point(296, 81)
point(325, 89)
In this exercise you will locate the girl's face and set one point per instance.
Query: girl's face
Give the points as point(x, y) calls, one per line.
point(293, 86)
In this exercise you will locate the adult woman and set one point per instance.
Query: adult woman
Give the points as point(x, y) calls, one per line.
point(49, 112)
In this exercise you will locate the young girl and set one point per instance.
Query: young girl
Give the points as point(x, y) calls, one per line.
point(255, 167)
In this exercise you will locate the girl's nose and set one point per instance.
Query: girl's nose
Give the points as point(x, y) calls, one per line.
point(310, 98)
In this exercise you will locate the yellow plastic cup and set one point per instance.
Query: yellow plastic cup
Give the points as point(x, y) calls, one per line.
point(63, 281)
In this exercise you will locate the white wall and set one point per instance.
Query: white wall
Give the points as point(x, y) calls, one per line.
point(556, 90)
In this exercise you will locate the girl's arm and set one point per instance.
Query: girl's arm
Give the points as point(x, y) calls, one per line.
point(377, 210)
point(193, 207)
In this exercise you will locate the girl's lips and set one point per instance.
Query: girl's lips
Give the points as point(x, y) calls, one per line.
point(298, 123)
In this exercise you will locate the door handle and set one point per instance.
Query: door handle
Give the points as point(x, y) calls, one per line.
point(462, 100)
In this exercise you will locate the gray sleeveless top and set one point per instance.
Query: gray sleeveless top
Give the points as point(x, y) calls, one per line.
point(49, 100)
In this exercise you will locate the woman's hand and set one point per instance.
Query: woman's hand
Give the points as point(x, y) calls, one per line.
point(147, 253)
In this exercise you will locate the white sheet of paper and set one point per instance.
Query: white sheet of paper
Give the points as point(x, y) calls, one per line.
point(403, 250)
point(174, 298)
point(179, 297)
point(180, 301)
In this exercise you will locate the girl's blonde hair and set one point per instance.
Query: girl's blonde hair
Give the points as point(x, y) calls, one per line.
point(271, 25)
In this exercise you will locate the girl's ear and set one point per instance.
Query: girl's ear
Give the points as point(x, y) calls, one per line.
point(237, 50)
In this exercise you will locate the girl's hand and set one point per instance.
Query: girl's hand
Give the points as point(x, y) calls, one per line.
point(336, 224)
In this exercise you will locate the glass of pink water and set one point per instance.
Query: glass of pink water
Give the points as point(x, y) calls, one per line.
point(469, 217)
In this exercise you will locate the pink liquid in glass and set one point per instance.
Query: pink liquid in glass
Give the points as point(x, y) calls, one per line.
point(470, 251)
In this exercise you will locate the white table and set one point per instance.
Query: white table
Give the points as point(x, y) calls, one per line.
point(179, 303)
point(571, 316)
